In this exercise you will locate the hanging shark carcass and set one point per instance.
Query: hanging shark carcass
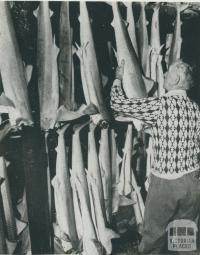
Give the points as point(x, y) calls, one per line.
point(90, 73)
point(154, 42)
point(85, 225)
point(78, 171)
point(128, 184)
point(6, 247)
point(12, 70)
point(48, 82)
point(175, 49)
point(65, 59)
point(91, 245)
point(106, 171)
point(143, 40)
point(47, 70)
point(134, 83)
point(63, 193)
point(7, 202)
point(105, 235)
point(131, 26)
point(94, 166)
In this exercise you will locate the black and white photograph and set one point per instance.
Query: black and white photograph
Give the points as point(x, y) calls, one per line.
point(100, 127)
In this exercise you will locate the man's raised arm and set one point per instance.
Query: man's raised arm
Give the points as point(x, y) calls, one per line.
point(145, 109)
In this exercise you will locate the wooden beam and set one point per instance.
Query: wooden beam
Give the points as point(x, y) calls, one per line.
point(35, 168)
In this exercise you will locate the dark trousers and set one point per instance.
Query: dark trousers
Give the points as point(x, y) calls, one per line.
point(166, 201)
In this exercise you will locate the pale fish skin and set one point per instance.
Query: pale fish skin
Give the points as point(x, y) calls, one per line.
point(133, 82)
point(94, 166)
point(128, 184)
point(168, 43)
point(155, 29)
point(117, 199)
point(104, 234)
point(11, 227)
point(65, 61)
point(91, 244)
point(143, 40)
point(85, 225)
point(106, 171)
point(175, 49)
point(91, 70)
point(125, 186)
point(115, 159)
point(155, 42)
point(47, 53)
point(11, 65)
point(77, 209)
point(160, 76)
point(78, 166)
point(131, 26)
point(63, 192)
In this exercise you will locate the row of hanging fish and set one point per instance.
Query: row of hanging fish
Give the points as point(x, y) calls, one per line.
point(55, 68)
point(85, 199)
point(144, 57)
point(10, 226)
point(143, 63)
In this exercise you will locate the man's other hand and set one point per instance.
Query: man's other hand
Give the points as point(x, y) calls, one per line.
point(120, 71)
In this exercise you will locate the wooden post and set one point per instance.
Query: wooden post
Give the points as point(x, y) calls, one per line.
point(35, 167)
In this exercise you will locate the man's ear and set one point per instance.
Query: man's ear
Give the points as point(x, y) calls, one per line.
point(174, 78)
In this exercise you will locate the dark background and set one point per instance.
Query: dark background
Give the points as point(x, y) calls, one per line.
point(101, 16)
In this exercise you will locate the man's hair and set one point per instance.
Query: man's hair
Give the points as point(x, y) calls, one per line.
point(185, 71)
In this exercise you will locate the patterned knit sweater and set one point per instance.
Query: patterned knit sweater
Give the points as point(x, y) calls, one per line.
point(175, 122)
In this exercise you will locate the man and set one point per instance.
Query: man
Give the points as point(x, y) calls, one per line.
point(174, 191)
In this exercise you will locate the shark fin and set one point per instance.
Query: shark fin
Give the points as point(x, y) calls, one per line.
point(104, 79)
point(125, 23)
point(119, 159)
point(28, 73)
point(56, 50)
point(35, 12)
point(54, 181)
point(51, 13)
point(20, 226)
point(73, 50)
point(79, 51)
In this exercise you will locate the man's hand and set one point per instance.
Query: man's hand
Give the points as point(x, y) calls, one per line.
point(120, 71)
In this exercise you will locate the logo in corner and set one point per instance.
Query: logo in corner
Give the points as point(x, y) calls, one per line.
point(182, 235)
